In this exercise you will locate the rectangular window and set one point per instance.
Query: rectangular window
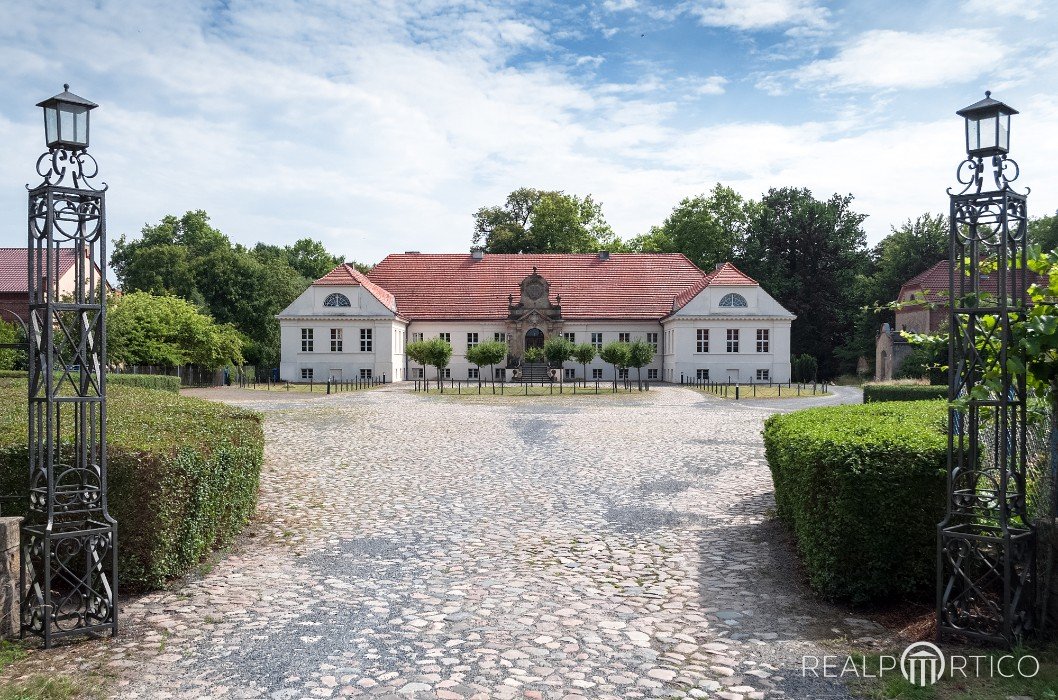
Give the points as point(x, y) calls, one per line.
point(446, 373)
point(571, 337)
point(763, 340)
point(596, 373)
point(703, 375)
point(472, 373)
point(416, 337)
point(568, 373)
point(596, 340)
point(447, 337)
point(652, 341)
point(365, 374)
point(501, 373)
point(703, 340)
point(472, 340)
point(306, 340)
point(624, 337)
point(732, 340)
point(417, 372)
point(365, 340)
point(499, 337)
point(652, 374)
point(622, 373)
point(306, 373)
point(763, 375)
point(336, 340)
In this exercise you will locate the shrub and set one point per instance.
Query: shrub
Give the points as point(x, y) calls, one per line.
point(862, 488)
point(903, 392)
point(183, 475)
point(162, 382)
point(804, 368)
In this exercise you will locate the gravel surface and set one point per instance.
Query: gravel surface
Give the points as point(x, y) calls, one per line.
point(412, 546)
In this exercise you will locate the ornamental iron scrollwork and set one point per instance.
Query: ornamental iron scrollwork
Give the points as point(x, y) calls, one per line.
point(986, 543)
point(69, 540)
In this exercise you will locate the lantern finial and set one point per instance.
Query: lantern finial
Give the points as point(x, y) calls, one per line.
point(988, 93)
point(66, 87)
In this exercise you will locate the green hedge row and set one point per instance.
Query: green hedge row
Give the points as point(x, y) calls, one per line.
point(161, 382)
point(903, 392)
point(183, 475)
point(862, 488)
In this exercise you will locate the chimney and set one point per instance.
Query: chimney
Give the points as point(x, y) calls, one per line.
point(719, 265)
point(411, 252)
point(604, 255)
point(477, 253)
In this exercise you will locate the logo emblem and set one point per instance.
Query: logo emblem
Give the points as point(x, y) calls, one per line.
point(922, 664)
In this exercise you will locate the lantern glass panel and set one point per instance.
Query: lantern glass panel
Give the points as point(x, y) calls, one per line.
point(988, 131)
point(51, 125)
point(73, 124)
point(1004, 131)
point(973, 139)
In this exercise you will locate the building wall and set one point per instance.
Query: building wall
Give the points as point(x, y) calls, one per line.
point(307, 312)
point(762, 312)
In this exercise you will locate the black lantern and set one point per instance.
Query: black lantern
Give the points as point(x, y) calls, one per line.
point(987, 127)
point(66, 120)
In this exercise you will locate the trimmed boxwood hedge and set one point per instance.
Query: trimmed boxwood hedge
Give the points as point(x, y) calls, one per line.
point(862, 488)
point(903, 392)
point(162, 382)
point(183, 475)
point(147, 381)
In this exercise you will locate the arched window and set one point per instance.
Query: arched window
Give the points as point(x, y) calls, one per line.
point(733, 299)
point(336, 300)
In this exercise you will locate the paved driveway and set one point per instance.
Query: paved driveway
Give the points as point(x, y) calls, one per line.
point(420, 546)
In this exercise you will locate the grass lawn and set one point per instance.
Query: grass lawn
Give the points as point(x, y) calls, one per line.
point(761, 391)
point(1042, 686)
point(314, 388)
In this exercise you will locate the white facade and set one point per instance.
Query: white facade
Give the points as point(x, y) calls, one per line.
point(700, 340)
point(319, 342)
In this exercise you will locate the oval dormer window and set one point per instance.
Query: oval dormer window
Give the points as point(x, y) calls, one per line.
point(734, 300)
point(336, 300)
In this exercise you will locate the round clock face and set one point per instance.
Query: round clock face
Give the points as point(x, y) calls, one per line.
point(534, 290)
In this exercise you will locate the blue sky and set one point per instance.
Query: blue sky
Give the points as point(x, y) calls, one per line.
point(382, 126)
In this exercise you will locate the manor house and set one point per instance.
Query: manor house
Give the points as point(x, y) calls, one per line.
point(719, 325)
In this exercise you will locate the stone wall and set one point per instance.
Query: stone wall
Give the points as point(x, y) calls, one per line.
point(9, 576)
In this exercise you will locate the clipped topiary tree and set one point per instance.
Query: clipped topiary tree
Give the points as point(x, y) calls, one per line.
point(534, 355)
point(558, 350)
point(640, 353)
point(439, 354)
point(419, 352)
point(616, 354)
point(804, 368)
point(488, 353)
point(584, 353)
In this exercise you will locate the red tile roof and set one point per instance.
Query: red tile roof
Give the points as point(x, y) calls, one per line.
point(14, 275)
point(726, 275)
point(934, 283)
point(348, 276)
point(455, 286)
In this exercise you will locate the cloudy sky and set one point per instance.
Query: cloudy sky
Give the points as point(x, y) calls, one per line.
point(382, 126)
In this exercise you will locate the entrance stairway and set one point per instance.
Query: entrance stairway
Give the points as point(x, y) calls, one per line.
point(534, 372)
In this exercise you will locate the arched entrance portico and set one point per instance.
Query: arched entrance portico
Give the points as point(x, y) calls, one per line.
point(534, 338)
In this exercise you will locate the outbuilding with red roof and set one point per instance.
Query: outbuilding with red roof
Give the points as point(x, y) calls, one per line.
point(718, 325)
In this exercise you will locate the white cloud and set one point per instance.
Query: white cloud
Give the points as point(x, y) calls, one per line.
point(619, 5)
point(886, 59)
point(713, 85)
point(751, 15)
point(1029, 9)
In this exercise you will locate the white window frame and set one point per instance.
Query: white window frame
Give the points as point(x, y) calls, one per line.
point(569, 373)
point(763, 375)
point(308, 341)
point(702, 342)
point(366, 373)
point(417, 337)
point(337, 342)
point(571, 337)
point(624, 337)
point(418, 372)
point(472, 373)
point(472, 340)
point(367, 342)
point(446, 373)
point(763, 340)
point(596, 340)
point(702, 374)
point(652, 341)
point(307, 373)
point(652, 374)
point(732, 339)
point(596, 373)
point(447, 337)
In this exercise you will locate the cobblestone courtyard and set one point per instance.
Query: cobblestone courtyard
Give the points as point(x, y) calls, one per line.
point(420, 546)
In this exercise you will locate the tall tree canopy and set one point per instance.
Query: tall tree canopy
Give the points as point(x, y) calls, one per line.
point(1043, 232)
point(811, 256)
point(188, 258)
point(708, 228)
point(541, 221)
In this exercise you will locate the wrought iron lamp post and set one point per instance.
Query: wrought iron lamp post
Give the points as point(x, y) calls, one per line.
point(69, 540)
point(986, 544)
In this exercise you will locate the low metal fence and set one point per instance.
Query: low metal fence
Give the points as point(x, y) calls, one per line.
point(249, 380)
point(749, 390)
point(556, 387)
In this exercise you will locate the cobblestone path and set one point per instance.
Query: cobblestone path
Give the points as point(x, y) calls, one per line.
point(424, 547)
